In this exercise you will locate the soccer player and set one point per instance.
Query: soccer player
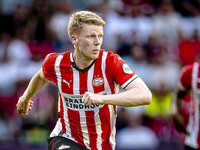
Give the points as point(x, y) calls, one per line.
point(188, 84)
point(87, 79)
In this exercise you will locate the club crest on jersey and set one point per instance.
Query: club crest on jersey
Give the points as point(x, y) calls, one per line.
point(127, 69)
point(98, 81)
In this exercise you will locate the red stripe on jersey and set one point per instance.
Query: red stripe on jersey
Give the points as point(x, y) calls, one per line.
point(198, 138)
point(91, 129)
point(83, 82)
point(98, 75)
point(114, 74)
point(198, 84)
point(104, 114)
point(61, 113)
point(74, 121)
point(48, 67)
point(186, 76)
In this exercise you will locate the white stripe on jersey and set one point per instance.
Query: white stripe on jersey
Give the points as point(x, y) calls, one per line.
point(193, 123)
point(57, 70)
point(108, 90)
point(180, 86)
point(84, 128)
point(195, 78)
point(112, 136)
point(59, 79)
point(76, 82)
point(96, 117)
point(127, 82)
point(98, 129)
point(76, 87)
point(58, 75)
point(89, 79)
point(192, 126)
point(103, 67)
point(83, 121)
point(56, 129)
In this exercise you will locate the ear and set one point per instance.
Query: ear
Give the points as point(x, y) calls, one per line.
point(74, 39)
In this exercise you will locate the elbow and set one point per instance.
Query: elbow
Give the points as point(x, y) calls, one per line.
point(148, 98)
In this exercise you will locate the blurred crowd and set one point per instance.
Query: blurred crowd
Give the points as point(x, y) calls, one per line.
point(155, 38)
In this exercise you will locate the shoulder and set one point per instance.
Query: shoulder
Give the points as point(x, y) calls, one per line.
point(110, 56)
point(188, 66)
point(187, 69)
point(53, 56)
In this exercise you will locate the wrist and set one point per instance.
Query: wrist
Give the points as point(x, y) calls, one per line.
point(24, 99)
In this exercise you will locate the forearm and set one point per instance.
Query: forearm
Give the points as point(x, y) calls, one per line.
point(129, 98)
point(136, 93)
point(36, 83)
point(177, 99)
point(176, 105)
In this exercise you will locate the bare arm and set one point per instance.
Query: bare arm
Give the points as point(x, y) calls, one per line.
point(37, 82)
point(176, 104)
point(136, 93)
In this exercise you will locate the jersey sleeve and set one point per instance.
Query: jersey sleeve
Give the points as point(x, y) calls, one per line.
point(120, 71)
point(48, 67)
point(185, 78)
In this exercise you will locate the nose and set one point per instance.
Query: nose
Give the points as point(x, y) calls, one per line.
point(97, 41)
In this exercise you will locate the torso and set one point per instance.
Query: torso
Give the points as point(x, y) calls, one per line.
point(190, 80)
point(90, 126)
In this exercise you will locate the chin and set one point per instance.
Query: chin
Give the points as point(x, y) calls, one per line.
point(95, 56)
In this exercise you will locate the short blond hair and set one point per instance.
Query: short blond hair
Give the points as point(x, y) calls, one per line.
point(77, 19)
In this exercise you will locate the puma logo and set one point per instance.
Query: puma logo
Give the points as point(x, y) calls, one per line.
point(64, 147)
point(68, 83)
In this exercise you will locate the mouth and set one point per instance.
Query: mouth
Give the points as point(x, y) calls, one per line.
point(95, 50)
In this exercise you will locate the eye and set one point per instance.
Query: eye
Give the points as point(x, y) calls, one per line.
point(90, 36)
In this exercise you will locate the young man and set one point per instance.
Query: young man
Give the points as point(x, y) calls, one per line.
point(188, 84)
point(87, 79)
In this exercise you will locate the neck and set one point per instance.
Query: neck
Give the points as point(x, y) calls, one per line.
point(81, 62)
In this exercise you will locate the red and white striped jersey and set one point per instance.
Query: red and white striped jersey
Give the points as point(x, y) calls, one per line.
point(90, 126)
point(190, 79)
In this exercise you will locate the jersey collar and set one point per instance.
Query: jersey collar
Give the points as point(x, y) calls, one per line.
point(81, 70)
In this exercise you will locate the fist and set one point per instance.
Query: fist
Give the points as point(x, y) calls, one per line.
point(91, 98)
point(24, 106)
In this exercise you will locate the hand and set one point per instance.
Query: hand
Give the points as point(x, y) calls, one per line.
point(23, 106)
point(179, 123)
point(91, 98)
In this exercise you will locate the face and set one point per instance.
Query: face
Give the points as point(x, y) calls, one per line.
point(88, 41)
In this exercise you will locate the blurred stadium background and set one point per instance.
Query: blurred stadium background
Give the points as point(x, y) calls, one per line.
point(155, 37)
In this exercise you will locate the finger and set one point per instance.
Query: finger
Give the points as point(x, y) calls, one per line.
point(31, 103)
point(26, 106)
point(22, 113)
point(91, 103)
point(86, 100)
point(29, 109)
point(84, 97)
